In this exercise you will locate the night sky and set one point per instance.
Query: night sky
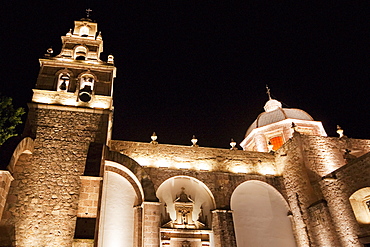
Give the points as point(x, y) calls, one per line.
point(201, 67)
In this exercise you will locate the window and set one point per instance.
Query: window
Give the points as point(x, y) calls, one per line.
point(277, 142)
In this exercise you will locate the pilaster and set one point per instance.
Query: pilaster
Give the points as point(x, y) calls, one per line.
point(223, 228)
point(151, 224)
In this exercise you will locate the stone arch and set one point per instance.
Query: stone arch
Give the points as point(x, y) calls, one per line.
point(203, 198)
point(59, 79)
point(80, 52)
point(260, 216)
point(129, 176)
point(121, 193)
point(145, 180)
point(360, 202)
point(25, 146)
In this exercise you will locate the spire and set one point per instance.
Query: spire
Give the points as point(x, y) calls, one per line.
point(271, 104)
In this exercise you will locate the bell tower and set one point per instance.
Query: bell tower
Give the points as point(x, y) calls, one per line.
point(77, 77)
point(71, 112)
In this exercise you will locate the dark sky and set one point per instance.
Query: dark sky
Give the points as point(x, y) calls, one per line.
point(200, 67)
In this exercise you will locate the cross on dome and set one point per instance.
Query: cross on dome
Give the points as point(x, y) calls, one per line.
point(268, 91)
point(271, 104)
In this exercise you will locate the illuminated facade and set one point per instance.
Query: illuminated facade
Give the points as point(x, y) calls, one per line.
point(65, 182)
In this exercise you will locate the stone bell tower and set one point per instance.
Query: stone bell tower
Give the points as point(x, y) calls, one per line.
point(70, 112)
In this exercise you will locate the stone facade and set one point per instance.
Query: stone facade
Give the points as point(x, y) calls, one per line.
point(5, 180)
point(50, 187)
point(67, 183)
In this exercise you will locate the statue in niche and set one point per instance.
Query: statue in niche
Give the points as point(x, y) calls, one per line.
point(184, 207)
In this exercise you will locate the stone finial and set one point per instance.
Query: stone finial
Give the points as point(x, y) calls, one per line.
point(49, 52)
point(110, 59)
point(194, 141)
point(340, 131)
point(233, 145)
point(69, 34)
point(154, 138)
point(99, 37)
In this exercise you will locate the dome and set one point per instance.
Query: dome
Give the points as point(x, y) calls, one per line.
point(276, 115)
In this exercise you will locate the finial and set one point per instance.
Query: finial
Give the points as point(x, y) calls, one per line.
point(268, 91)
point(88, 12)
point(110, 59)
point(340, 131)
point(154, 138)
point(194, 141)
point(49, 52)
point(69, 34)
point(99, 37)
point(233, 144)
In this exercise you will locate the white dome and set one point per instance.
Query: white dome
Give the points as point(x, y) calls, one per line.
point(276, 115)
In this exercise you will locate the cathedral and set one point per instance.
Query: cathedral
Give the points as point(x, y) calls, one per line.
point(66, 182)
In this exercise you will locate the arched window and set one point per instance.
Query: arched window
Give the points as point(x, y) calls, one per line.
point(63, 82)
point(86, 87)
point(84, 31)
point(80, 53)
point(360, 202)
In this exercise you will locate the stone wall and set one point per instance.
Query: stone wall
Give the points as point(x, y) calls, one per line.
point(211, 166)
point(197, 158)
point(151, 224)
point(44, 196)
point(220, 177)
point(223, 228)
point(337, 190)
point(89, 197)
point(5, 180)
point(319, 179)
point(297, 183)
point(326, 154)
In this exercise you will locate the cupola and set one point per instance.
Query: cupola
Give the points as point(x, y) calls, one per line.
point(273, 127)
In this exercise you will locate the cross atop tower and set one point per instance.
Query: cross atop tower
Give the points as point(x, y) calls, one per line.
point(88, 12)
